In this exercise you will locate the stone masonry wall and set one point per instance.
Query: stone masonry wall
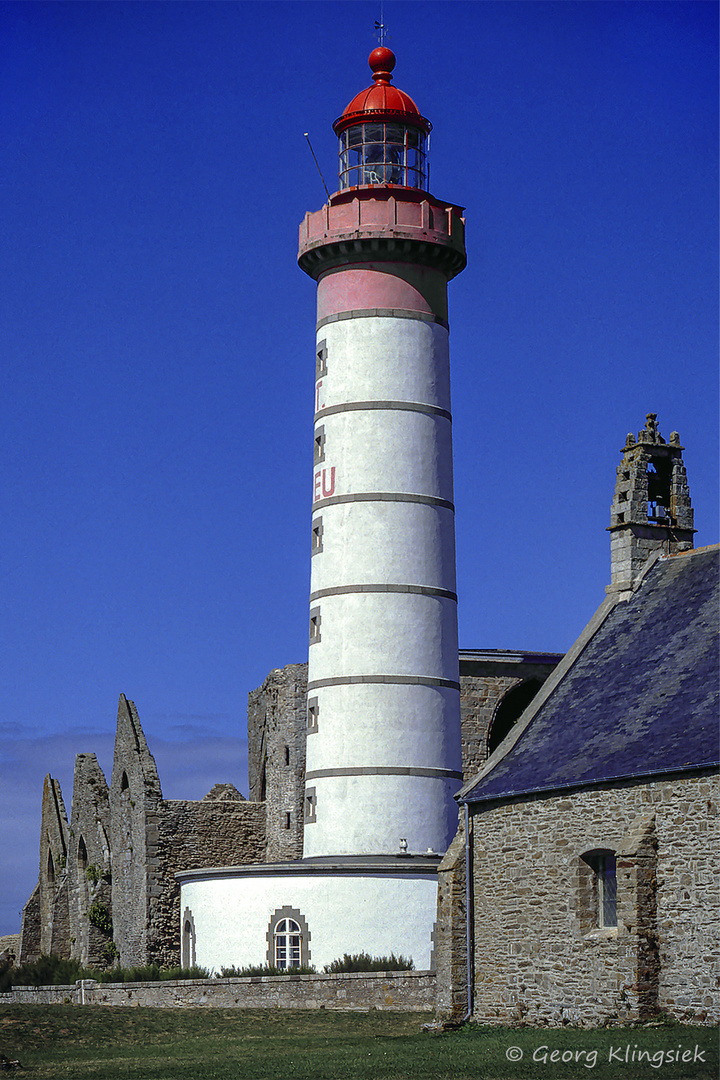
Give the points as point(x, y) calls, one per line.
point(89, 862)
point(135, 794)
point(451, 934)
point(223, 829)
point(539, 958)
point(403, 991)
point(52, 879)
point(277, 723)
point(479, 698)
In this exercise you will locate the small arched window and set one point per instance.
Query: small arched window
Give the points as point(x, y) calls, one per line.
point(124, 782)
point(187, 951)
point(82, 854)
point(50, 867)
point(603, 886)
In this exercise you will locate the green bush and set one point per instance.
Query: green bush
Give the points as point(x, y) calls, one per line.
point(100, 917)
point(53, 971)
point(46, 971)
point(364, 962)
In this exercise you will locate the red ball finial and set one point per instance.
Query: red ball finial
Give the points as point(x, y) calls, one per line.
point(382, 62)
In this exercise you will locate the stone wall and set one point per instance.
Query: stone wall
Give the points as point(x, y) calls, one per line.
point(43, 919)
point(116, 862)
point(223, 829)
point(495, 688)
point(402, 991)
point(540, 956)
point(89, 863)
point(451, 934)
point(277, 724)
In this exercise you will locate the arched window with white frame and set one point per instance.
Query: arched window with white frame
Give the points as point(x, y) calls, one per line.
point(288, 940)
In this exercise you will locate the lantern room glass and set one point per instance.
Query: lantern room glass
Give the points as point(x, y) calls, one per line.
point(380, 153)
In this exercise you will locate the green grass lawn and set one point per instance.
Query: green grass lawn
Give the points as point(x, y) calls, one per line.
point(53, 1042)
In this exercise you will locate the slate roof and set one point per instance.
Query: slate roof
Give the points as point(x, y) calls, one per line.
point(641, 699)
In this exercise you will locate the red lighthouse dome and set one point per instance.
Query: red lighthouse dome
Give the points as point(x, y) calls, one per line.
point(382, 134)
point(382, 100)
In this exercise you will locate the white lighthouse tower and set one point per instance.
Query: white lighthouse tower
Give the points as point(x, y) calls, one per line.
point(383, 743)
point(383, 757)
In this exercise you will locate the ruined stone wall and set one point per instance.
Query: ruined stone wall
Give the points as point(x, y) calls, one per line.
point(52, 880)
point(89, 864)
point(480, 696)
point(30, 928)
point(223, 829)
point(539, 955)
point(277, 724)
point(135, 795)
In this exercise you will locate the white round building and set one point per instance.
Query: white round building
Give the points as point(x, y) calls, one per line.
point(383, 713)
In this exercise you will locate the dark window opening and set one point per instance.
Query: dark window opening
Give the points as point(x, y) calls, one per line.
point(509, 711)
point(604, 886)
point(659, 477)
point(319, 454)
point(82, 854)
point(321, 362)
point(317, 537)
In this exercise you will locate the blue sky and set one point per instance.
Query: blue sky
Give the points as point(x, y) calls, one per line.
point(158, 337)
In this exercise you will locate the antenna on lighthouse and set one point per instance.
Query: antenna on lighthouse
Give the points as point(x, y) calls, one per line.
point(380, 27)
point(307, 136)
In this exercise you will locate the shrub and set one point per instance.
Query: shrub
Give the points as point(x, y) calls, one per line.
point(46, 971)
point(54, 971)
point(364, 962)
point(100, 917)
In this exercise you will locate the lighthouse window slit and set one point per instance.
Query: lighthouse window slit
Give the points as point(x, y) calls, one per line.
point(317, 535)
point(319, 445)
point(315, 620)
point(321, 360)
point(310, 805)
point(313, 712)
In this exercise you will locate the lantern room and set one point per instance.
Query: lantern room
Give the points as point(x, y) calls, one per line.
point(383, 137)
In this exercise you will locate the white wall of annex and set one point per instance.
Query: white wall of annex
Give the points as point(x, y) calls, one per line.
point(375, 914)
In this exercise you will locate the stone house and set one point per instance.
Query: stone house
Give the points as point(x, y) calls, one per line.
point(587, 857)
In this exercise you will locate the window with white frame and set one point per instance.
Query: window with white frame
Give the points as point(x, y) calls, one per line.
point(288, 939)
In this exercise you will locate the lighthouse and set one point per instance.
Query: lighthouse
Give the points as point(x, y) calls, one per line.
point(382, 739)
point(383, 733)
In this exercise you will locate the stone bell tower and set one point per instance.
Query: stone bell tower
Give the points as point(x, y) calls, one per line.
point(651, 509)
